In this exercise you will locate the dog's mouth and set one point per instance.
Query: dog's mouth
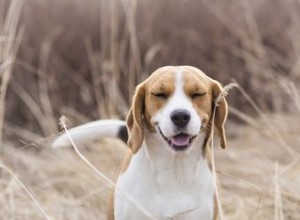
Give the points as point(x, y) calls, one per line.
point(180, 141)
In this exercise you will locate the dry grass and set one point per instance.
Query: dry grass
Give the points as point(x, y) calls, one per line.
point(9, 44)
point(61, 183)
point(99, 50)
point(251, 183)
point(84, 58)
point(68, 189)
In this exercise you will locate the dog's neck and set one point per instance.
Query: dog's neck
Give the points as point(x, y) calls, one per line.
point(165, 163)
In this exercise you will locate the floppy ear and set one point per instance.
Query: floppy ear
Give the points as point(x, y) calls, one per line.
point(135, 119)
point(220, 114)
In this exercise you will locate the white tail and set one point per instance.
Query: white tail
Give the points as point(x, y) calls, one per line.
point(93, 131)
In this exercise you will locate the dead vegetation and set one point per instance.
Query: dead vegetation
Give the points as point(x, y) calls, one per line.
point(84, 58)
point(252, 186)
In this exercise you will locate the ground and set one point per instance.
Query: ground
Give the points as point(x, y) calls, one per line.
point(259, 174)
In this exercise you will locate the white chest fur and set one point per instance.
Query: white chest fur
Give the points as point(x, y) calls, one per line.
point(168, 185)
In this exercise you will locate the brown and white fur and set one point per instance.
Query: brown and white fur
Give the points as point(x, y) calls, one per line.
point(167, 169)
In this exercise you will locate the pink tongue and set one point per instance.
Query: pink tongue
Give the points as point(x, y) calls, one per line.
point(180, 140)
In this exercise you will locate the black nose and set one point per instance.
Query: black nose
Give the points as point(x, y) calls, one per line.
point(180, 117)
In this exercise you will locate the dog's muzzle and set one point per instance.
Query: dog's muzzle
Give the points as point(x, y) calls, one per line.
point(180, 141)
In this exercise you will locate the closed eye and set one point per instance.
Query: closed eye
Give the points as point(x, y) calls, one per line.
point(160, 95)
point(196, 95)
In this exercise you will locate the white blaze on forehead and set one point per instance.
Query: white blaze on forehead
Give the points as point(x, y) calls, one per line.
point(179, 79)
point(179, 99)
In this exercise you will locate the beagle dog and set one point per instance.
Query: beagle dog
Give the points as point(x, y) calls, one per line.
point(167, 170)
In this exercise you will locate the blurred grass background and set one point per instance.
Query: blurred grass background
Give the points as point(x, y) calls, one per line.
point(89, 55)
point(83, 59)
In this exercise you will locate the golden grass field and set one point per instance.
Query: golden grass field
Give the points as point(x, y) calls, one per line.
point(83, 59)
point(259, 174)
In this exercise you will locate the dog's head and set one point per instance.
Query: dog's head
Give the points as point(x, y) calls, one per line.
point(177, 103)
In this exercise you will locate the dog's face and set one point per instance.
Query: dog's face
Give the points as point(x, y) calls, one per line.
point(177, 104)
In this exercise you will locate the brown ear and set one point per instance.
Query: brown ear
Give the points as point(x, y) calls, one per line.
point(135, 119)
point(221, 113)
